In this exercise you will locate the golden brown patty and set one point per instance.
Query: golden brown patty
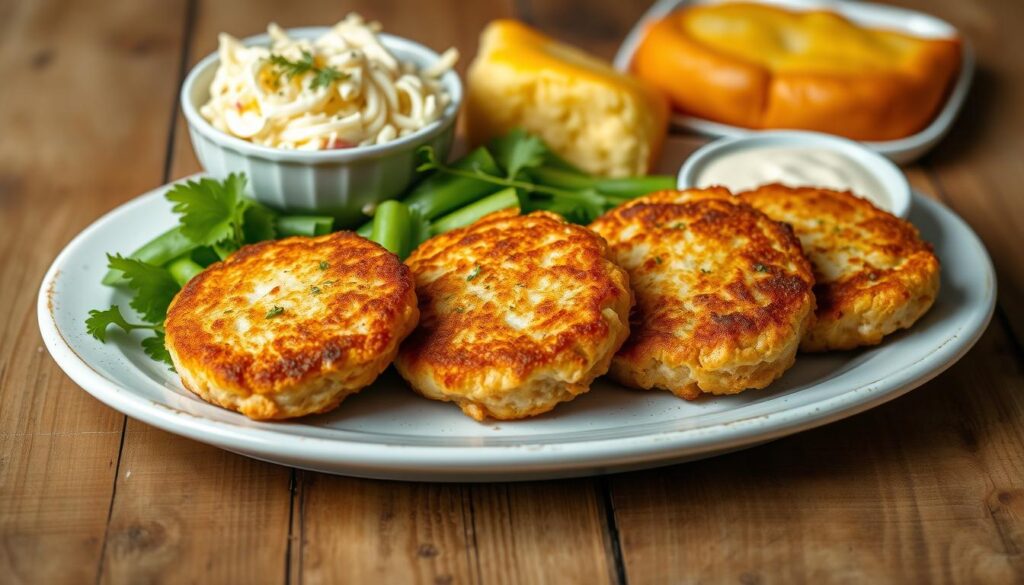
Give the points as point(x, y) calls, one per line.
point(291, 327)
point(519, 313)
point(723, 292)
point(874, 273)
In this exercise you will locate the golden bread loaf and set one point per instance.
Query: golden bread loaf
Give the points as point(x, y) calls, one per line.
point(761, 66)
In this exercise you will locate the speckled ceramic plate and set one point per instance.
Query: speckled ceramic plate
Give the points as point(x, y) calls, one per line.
point(388, 432)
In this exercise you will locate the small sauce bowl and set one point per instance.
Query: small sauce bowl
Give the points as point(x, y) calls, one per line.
point(893, 190)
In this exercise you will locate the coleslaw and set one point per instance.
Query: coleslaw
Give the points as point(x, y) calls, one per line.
point(341, 90)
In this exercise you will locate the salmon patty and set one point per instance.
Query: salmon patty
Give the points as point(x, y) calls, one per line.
point(723, 293)
point(291, 327)
point(519, 313)
point(874, 273)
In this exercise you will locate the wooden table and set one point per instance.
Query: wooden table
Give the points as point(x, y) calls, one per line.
point(928, 488)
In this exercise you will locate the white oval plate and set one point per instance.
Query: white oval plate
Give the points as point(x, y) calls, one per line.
point(900, 151)
point(389, 432)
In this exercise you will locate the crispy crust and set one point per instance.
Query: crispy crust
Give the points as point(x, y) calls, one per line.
point(884, 86)
point(723, 293)
point(874, 273)
point(519, 313)
point(328, 342)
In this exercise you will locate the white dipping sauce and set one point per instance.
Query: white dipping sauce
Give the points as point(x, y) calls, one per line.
point(794, 166)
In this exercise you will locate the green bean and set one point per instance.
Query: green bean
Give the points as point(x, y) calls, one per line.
point(304, 225)
point(158, 251)
point(441, 193)
point(625, 187)
point(561, 179)
point(635, 186)
point(183, 269)
point(504, 199)
point(392, 227)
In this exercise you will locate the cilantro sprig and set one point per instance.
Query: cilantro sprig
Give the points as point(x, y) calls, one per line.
point(214, 220)
point(322, 76)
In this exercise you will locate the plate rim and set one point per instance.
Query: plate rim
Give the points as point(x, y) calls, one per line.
point(488, 462)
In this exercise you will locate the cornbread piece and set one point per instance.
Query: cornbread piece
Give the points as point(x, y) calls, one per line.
point(291, 327)
point(603, 121)
point(874, 273)
point(760, 66)
point(723, 293)
point(519, 313)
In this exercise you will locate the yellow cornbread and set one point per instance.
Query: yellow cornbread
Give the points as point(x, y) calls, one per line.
point(603, 121)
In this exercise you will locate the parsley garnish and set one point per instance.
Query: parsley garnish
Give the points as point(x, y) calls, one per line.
point(322, 76)
point(212, 212)
point(760, 267)
point(274, 312)
point(314, 289)
point(154, 286)
point(99, 321)
point(324, 265)
point(156, 349)
point(657, 259)
point(518, 150)
point(473, 273)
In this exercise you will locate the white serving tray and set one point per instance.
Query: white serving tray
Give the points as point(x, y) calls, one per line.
point(903, 150)
point(387, 431)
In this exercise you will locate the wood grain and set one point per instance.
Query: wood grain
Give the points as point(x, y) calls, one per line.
point(543, 532)
point(927, 488)
point(85, 123)
point(978, 168)
point(367, 531)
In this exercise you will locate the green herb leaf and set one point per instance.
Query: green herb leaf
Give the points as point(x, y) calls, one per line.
point(325, 77)
point(291, 68)
point(274, 312)
point(211, 211)
point(473, 273)
point(156, 349)
point(760, 267)
point(314, 289)
point(518, 150)
point(99, 321)
point(322, 76)
point(657, 259)
point(154, 286)
point(324, 265)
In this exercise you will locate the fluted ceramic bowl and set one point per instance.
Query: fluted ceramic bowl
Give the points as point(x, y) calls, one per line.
point(335, 182)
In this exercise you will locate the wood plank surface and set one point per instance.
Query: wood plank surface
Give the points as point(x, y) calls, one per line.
point(85, 117)
point(927, 488)
point(978, 168)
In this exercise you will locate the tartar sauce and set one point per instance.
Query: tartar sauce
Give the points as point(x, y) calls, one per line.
point(750, 168)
